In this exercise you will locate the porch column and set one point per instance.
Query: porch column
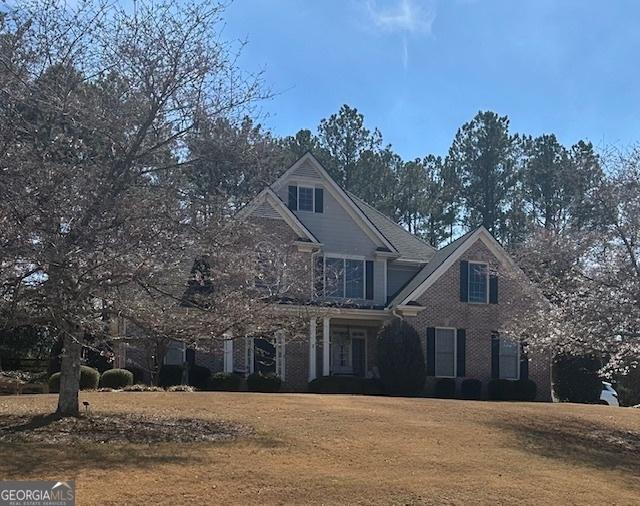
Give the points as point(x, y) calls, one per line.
point(228, 353)
point(326, 354)
point(312, 349)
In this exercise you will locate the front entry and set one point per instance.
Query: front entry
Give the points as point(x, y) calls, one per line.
point(348, 356)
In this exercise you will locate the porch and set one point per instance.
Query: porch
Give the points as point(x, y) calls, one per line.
point(343, 346)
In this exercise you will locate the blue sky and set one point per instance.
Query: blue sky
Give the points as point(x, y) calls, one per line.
point(418, 69)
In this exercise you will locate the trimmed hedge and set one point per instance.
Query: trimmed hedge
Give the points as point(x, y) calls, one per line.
point(116, 378)
point(89, 379)
point(257, 382)
point(509, 390)
point(199, 376)
point(224, 382)
point(170, 375)
point(345, 385)
point(445, 388)
point(471, 389)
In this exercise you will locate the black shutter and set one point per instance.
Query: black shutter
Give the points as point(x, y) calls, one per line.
point(464, 281)
point(461, 352)
point(369, 279)
point(318, 277)
point(293, 198)
point(495, 356)
point(524, 363)
point(319, 200)
point(493, 289)
point(431, 351)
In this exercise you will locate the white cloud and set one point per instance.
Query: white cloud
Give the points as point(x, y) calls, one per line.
point(406, 16)
point(403, 17)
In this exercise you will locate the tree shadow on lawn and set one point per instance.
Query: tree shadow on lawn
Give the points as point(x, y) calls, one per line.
point(580, 442)
point(33, 446)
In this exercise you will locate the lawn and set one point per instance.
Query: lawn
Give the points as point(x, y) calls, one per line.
point(321, 449)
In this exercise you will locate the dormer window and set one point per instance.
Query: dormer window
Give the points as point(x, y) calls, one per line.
point(306, 198)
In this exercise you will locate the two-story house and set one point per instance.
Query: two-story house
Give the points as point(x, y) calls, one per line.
point(366, 270)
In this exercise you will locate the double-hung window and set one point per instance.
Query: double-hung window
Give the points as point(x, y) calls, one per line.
point(305, 198)
point(478, 282)
point(509, 359)
point(344, 278)
point(445, 352)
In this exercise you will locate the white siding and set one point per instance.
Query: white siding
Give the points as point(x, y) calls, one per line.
point(266, 210)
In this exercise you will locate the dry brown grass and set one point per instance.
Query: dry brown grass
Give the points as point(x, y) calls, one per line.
point(315, 449)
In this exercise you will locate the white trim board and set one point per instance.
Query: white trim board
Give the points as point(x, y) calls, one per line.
point(341, 197)
point(480, 234)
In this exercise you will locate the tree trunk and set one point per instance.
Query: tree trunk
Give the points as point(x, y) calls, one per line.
point(69, 377)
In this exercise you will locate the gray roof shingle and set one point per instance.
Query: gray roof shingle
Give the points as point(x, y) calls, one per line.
point(436, 261)
point(408, 245)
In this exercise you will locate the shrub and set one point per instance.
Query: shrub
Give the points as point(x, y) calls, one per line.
point(576, 379)
point(142, 388)
point(628, 387)
point(199, 376)
point(400, 359)
point(170, 375)
point(471, 389)
point(258, 382)
point(224, 381)
point(116, 378)
point(445, 388)
point(345, 385)
point(525, 390)
point(181, 388)
point(89, 379)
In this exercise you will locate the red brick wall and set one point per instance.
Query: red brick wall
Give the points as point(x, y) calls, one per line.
point(444, 309)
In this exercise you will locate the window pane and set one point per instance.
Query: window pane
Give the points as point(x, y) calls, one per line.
point(334, 277)
point(477, 283)
point(305, 199)
point(509, 358)
point(445, 352)
point(354, 270)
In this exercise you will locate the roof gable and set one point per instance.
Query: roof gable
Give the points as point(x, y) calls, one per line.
point(445, 258)
point(308, 167)
point(267, 197)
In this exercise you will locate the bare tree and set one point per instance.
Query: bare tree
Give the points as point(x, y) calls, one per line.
point(97, 101)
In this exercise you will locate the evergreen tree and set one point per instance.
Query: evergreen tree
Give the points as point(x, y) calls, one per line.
point(483, 156)
point(345, 139)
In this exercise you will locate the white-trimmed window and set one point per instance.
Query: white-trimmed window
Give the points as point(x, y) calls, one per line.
point(509, 359)
point(478, 282)
point(344, 277)
point(445, 352)
point(305, 198)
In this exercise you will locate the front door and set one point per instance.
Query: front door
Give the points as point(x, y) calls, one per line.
point(348, 355)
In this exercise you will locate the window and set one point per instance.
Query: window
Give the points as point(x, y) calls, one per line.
point(354, 279)
point(478, 282)
point(175, 354)
point(334, 277)
point(445, 353)
point(305, 198)
point(344, 277)
point(509, 359)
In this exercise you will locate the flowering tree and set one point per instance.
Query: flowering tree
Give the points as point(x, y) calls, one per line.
point(591, 277)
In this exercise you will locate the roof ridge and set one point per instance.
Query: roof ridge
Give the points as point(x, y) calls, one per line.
point(400, 227)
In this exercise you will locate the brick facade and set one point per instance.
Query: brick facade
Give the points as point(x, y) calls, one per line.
point(444, 309)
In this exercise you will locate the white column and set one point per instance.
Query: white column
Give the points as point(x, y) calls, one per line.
point(326, 354)
point(312, 349)
point(228, 353)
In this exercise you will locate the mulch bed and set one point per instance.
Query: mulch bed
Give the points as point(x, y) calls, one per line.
point(115, 428)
